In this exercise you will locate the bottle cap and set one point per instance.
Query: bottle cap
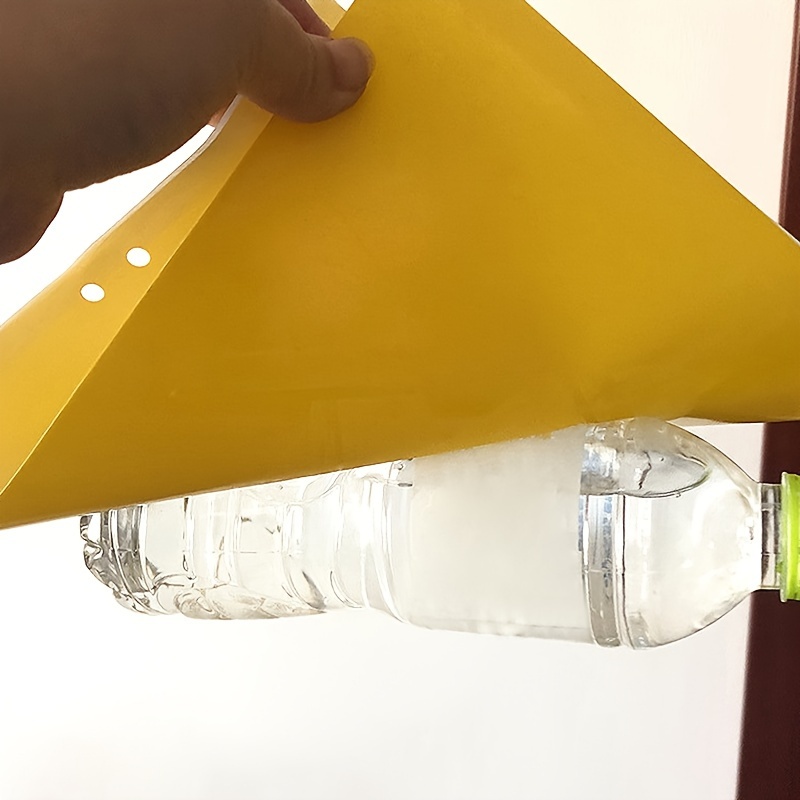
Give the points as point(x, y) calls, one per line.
point(789, 548)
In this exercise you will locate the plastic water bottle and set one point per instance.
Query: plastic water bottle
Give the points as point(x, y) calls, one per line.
point(629, 533)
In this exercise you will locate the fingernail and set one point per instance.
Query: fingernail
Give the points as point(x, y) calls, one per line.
point(353, 63)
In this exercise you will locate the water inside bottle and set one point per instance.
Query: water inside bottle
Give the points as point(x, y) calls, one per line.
point(493, 540)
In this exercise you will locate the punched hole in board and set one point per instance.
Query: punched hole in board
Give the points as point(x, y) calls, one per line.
point(92, 292)
point(138, 257)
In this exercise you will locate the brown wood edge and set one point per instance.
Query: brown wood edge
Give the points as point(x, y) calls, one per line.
point(769, 760)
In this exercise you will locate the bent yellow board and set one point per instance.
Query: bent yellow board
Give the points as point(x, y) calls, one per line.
point(497, 241)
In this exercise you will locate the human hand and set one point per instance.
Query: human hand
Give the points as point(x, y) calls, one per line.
point(90, 89)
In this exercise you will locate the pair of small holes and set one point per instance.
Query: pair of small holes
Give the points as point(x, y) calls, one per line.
point(136, 257)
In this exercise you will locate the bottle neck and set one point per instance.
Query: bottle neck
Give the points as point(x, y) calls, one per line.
point(770, 535)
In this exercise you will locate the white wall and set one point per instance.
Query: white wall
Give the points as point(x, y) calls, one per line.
point(96, 702)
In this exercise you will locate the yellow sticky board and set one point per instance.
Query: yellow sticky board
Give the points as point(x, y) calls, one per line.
point(497, 241)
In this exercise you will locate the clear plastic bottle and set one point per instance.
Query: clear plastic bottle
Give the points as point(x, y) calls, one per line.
point(629, 533)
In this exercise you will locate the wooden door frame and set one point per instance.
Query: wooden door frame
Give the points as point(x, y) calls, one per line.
point(769, 763)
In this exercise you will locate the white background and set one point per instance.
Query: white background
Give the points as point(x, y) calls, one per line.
point(96, 702)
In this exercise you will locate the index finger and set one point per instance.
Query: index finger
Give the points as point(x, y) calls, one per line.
point(309, 20)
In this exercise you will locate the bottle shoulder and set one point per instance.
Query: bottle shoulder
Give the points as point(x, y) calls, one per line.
point(672, 532)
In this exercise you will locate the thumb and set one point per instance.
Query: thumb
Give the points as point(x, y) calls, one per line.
point(25, 215)
point(298, 75)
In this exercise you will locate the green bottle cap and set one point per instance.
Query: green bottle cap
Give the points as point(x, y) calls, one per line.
point(789, 548)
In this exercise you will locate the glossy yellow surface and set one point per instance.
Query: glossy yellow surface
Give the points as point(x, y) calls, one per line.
point(496, 241)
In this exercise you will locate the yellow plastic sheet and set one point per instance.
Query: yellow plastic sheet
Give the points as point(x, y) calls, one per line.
point(497, 241)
